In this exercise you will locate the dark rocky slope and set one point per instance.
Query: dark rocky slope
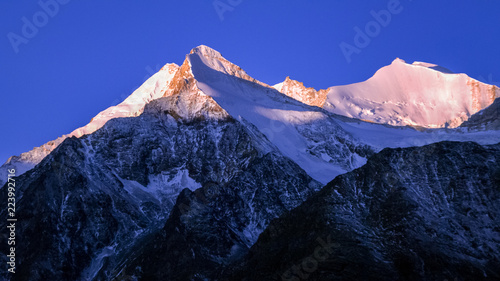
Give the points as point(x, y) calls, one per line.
point(93, 198)
point(217, 224)
point(420, 213)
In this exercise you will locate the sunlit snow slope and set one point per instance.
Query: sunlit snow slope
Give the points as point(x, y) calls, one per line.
point(419, 94)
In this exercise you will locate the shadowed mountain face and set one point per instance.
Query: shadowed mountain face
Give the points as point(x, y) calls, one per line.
point(422, 213)
point(93, 197)
point(215, 225)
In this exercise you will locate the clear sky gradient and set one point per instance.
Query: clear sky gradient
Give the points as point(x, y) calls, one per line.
point(85, 56)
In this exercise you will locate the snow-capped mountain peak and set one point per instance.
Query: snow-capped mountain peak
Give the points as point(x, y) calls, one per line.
point(412, 94)
point(184, 99)
point(419, 94)
point(278, 117)
point(214, 60)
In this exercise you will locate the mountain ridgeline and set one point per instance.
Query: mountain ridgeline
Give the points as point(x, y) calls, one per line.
point(205, 173)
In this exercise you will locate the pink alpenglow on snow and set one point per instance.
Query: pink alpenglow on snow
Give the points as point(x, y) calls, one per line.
point(419, 94)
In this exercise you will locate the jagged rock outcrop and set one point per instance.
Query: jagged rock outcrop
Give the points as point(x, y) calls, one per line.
point(298, 91)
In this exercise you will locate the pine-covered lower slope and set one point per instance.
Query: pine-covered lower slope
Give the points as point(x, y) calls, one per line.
point(419, 213)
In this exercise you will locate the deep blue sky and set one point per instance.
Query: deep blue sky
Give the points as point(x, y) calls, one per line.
point(92, 54)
